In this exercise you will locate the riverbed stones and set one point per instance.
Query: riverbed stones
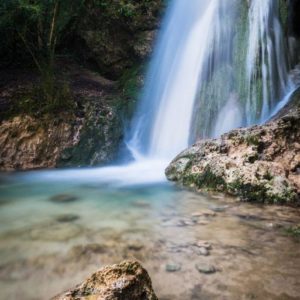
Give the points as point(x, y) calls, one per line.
point(56, 232)
point(135, 245)
point(87, 250)
point(63, 198)
point(173, 267)
point(202, 251)
point(141, 204)
point(203, 244)
point(67, 218)
point(205, 268)
point(127, 280)
point(219, 209)
point(204, 213)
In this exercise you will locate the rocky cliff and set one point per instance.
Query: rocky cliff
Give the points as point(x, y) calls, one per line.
point(260, 163)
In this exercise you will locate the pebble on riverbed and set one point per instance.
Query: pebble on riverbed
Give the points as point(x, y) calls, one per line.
point(135, 245)
point(56, 232)
point(204, 213)
point(219, 208)
point(205, 268)
point(202, 251)
point(173, 267)
point(63, 198)
point(66, 218)
point(141, 204)
point(203, 244)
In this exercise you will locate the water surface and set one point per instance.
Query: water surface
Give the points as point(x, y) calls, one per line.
point(47, 247)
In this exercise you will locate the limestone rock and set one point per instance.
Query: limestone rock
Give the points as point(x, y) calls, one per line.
point(128, 280)
point(260, 163)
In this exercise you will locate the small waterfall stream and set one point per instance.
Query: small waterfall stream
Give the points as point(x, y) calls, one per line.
point(267, 63)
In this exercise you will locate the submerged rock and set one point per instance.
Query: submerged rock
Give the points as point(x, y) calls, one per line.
point(63, 198)
point(86, 251)
point(173, 267)
point(66, 218)
point(259, 163)
point(56, 232)
point(128, 280)
point(205, 268)
point(202, 251)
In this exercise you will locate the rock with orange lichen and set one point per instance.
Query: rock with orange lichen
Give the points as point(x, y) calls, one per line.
point(125, 281)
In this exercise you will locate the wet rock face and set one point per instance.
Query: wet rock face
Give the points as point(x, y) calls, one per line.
point(260, 163)
point(89, 135)
point(30, 143)
point(128, 280)
point(115, 36)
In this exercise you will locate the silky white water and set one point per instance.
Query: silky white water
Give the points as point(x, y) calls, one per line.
point(172, 83)
point(267, 62)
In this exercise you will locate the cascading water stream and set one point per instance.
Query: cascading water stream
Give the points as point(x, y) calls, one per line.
point(161, 128)
point(267, 63)
point(218, 65)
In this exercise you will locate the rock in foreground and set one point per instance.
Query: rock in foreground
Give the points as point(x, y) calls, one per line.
point(128, 280)
point(261, 163)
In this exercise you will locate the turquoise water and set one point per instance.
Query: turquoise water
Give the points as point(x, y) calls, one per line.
point(47, 247)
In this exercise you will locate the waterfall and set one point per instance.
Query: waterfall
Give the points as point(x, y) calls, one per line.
point(162, 125)
point(218, 65)
point(267, 62)
point(224, 66)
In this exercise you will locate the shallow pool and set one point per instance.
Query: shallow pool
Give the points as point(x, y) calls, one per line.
point(53, 234)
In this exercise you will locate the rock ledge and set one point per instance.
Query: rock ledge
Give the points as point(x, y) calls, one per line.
point(260, 163)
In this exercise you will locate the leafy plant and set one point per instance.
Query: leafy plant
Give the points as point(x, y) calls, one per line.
point(40, 26)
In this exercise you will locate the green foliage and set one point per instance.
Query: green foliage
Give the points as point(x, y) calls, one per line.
point(34, 101)
point(119, 8)
point(38, 27)
point(293, 231)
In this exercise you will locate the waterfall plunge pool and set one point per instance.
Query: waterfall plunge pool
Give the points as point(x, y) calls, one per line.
point(54, 234)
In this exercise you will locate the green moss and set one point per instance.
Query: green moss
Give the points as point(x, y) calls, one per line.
point(293, 231)
point(252, 140)
point(130, 85)
point(259, 193)
point(206, 179)
point(283, 13)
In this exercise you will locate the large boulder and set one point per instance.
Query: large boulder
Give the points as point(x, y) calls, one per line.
point(128, 280)
point(260, 163)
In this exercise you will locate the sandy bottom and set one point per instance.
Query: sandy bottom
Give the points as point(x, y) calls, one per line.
point(49, 244)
